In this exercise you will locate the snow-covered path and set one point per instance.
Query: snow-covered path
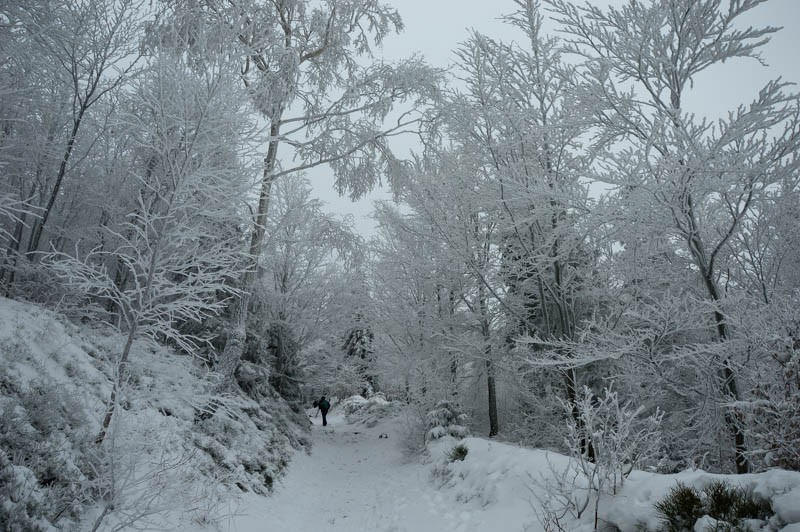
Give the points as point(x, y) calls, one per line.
point(353, 480)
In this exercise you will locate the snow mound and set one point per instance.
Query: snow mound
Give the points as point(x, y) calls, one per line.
point(504, 480)
point(633, 505)
point(514, 485)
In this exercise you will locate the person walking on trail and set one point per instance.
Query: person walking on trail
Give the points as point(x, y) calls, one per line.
point(324, 406)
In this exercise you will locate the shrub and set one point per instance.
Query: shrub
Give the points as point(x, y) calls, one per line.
point(45, 467)
point(751, 506)
point(458, 452)
point(446, 419)
point(606, 440)
point(721, 499)
point(730, 505)
point(367, 411)
point(681, 508)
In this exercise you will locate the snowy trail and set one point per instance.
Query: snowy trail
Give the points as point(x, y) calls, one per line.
point(353, 481)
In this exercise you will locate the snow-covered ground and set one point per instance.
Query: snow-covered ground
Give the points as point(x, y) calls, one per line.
point(356, 480)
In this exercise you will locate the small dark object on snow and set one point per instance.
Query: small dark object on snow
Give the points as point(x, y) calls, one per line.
point(383, 435)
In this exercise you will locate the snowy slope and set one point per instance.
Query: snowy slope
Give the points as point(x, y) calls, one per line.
point(159, 467)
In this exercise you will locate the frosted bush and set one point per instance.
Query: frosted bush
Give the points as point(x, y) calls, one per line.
point(22, 501)
point(45, 466)
point(446, 419)
point(367, 411)
point(773, 413)
point(352, 404)
point(606, 442)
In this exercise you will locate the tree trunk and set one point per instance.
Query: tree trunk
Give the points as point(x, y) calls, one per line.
point(571, 382)
point(62, 170)
point(494, 426)
point(122, 370)
point(121, 375)
point(234, 346)
point(734, 419)
point(12, 250)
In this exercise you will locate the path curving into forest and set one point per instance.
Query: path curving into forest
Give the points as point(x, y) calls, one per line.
point(354, 480)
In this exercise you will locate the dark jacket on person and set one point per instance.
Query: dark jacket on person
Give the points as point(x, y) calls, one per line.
point(324, 405)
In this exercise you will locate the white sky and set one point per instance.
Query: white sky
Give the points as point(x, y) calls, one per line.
point(434, 28)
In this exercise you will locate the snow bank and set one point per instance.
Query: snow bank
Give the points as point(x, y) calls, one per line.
point(505, 481)
point(633, 505)
point(515, 486)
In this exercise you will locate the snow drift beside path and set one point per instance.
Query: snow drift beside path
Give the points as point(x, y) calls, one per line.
point(512, 486)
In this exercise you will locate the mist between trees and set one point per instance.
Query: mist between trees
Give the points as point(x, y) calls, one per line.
point(153, 156)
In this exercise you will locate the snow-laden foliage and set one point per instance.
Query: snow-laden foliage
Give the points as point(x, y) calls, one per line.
point(367, 411)
point(606, 441)
point(773, 413)
point(48, 463)
point(614, 436)
point(306, 69)
point(294, 329)
point(570, 219)
point(446, 419)
point(509, 280)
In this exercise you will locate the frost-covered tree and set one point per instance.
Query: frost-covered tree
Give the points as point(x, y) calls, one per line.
point(528, 128)
point(358, 346)
point(302, 63)
point(300, 287)
point(179, 249)
point(462, 230)
point(513, 153)
point(680, 175)
point(65, 73)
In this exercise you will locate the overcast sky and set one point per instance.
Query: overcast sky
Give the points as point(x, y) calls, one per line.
point(434, 28)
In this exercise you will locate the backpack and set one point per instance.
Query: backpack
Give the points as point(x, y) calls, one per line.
point(324, 405)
